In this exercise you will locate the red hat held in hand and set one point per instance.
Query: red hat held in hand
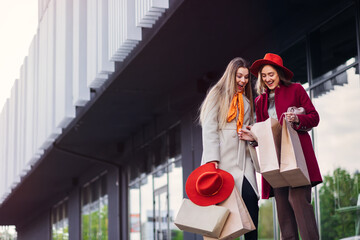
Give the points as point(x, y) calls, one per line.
point(207, 185)
point(271, 59)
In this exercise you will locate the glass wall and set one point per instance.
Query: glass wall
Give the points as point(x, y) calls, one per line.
point(156, 188)
point(335, 93)
point(60, 221)
point(328, 58)
point(94, 210)
point(337, 139)
point(295, 59)
point(154, 200)
point(8, 232)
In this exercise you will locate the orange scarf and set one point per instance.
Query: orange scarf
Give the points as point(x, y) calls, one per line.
point(237, 103)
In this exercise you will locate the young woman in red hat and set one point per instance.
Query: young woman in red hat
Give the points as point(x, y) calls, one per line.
point(227, 108)
point(276, 95)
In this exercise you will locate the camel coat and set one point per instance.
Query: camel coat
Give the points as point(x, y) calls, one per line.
point(223, 145)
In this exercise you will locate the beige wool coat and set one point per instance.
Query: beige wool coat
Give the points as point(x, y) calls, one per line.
point(222, 144)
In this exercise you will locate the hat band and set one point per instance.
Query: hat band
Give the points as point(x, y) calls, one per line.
point(207, 195)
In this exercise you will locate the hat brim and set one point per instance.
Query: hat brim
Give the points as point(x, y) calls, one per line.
point(255, 67)
point(221, 195)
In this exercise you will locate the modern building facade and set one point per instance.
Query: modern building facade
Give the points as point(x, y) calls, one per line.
point(101, 132)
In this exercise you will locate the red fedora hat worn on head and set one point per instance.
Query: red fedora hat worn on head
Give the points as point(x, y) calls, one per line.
point(207, 185)
point(272, 59)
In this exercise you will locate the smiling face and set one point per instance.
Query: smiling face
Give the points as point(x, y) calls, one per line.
point(270, 77)
point(242, 78)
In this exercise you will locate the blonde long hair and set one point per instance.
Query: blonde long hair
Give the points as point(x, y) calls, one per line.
point(223, 92)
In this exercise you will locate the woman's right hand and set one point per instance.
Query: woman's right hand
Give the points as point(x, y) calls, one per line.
point(216, 163)
point(245, 134)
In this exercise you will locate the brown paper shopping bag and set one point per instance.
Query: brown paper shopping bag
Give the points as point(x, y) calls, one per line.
point(239, 221)
point(293, 165)
point(268, 136)
point(206, 221)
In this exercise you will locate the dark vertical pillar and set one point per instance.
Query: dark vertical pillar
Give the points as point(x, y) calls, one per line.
point(113, 197)
point(38, 228)
point(124, 224)
point(74, 213)
point(191, 152)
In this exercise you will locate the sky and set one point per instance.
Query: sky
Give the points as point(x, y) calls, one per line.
point(18, 26)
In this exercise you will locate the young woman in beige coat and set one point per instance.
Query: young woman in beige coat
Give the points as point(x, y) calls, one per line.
point(227, 108)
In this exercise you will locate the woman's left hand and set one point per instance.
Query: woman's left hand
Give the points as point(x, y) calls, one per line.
point(245, 134)
point(291, 117)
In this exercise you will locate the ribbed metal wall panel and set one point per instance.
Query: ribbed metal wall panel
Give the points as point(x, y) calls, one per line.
point(65, 110)
point(12, 135)
point(52, 131)
point(2, 154)
point(124, 34)
point(21, 120)
point(75, 48)
point(81, 92)
point(99, 64)
point(149, 11)
point(42, 6)
point(30, 106)
point(5, 160)
point(42, 83)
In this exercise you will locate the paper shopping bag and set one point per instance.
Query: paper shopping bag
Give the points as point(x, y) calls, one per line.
point(206, 221)
point(239, 221)
point(293, 165)
point(268, 136)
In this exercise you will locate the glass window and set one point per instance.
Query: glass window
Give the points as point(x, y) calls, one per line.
point(156, 189)
point(160, 202)
point(60, 221)
point(8, 232)
point(294, 58)
point(94, 210)
point(104, 216)
point(176, 189)
point(134, 211)
point(333, 43)
point(336, 143)
point(154, 201)
point(266, 221)
point(146, 210)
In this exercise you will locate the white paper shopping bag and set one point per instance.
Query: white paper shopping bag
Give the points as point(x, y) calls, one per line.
point(206, 221)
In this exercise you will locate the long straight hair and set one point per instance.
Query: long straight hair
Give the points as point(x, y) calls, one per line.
point(223, 92)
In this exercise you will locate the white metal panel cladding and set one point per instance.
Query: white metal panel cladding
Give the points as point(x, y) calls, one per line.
point(52, 131)
point(30, 104)
point(81, 92)
point(3, 136)
point(42, 83)
point(75, 49)
point(105, 65)
point(12, 136)
point(22, 123)
point(65, 111)
point(21, 119)
point(124, 35)
point(42, 6)
point(5, 160)
point(149, 11)
point(99, 64)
